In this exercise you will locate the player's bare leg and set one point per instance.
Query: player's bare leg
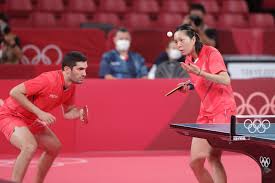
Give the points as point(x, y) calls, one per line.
point(51, 146)
point(214, 158)
point(219, 174)
point(199, 152)
point(1, 102)
point(23, 139)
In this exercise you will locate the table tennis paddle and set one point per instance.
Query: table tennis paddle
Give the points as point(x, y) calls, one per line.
point(190, 87)
point(172, 91)
point(85, 114)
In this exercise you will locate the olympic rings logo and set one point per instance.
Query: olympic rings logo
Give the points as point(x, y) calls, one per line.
point(265, 161)
point(257, 125)
point(41, 55)
point(251, 109)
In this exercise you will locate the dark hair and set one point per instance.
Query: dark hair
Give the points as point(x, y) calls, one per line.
point(190, 32)
point(122, 29)
point(72, 57)
point(4, 28)
point(199, 7)
point(4, 17)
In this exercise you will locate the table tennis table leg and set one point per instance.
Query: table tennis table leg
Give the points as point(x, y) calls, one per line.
point(264, 155)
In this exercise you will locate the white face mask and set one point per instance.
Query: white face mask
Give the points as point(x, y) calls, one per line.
point(174, 54)
point(122, 45)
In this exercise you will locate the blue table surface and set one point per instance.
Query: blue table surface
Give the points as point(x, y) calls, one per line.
point(268, 134)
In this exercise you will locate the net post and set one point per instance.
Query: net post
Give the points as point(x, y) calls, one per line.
point(232, 127)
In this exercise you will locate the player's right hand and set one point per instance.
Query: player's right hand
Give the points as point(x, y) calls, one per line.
point(185, 86)
point(46, 118)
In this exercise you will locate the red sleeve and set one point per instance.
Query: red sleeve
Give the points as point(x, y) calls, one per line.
point(35, 85)
point(216, 63)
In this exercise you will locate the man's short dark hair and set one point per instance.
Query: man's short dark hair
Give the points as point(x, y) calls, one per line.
point(199, 7)
point(122, 29)
point(72, 57)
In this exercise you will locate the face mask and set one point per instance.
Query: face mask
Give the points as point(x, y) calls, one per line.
point(174, 54)
point(122, 45)
point(4, 28)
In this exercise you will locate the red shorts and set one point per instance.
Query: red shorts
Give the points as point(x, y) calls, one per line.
point(222, 117)
point(8, 122)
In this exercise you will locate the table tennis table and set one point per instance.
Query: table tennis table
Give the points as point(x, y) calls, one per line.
point(234, 137)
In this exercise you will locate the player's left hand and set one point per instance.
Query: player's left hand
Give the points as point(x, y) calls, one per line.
point(191, 68)
point(185, 86)
point(83, 114)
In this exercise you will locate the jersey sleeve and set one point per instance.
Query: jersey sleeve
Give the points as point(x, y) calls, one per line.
point(36, 85)
point(216, 63)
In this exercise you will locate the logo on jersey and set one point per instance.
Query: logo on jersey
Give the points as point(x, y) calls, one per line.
point(53, 96)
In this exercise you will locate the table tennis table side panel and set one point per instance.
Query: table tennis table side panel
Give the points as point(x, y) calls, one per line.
point(222, 129)
point(215, 128)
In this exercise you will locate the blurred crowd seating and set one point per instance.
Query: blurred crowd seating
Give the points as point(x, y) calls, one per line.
point(46, 22)
point(46, 46)
point(136, 14)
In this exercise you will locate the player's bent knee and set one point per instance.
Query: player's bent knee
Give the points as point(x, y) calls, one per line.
point(196, 164)
point(58, 147)
point(55, 148)
point(214, 159)
point(29, 149)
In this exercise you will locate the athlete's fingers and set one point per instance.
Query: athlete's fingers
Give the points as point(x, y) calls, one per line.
point(81, 114)
point(42, 122)
point(194, 67)
point(53, 117)
point(184, 66)
point(85, 114)
point(181, 84)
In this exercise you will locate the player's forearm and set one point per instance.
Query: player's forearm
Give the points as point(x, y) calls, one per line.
point(221, 78)
point(24, 101)
point(73, 113)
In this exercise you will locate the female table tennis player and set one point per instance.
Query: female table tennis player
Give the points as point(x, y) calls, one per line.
point(209, 76)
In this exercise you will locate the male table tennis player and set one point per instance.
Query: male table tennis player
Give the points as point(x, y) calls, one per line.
point(25, 114)
point(209, 76)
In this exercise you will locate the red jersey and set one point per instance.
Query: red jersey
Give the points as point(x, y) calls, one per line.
point(45, 91)
point(215, 97)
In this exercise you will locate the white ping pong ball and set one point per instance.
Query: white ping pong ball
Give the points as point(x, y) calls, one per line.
point(169, 34)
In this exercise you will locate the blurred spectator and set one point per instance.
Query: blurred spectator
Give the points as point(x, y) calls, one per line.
point(120, 62)
point(196, 18)
point(10, 51)
point(164, 57)
point(170, 68)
